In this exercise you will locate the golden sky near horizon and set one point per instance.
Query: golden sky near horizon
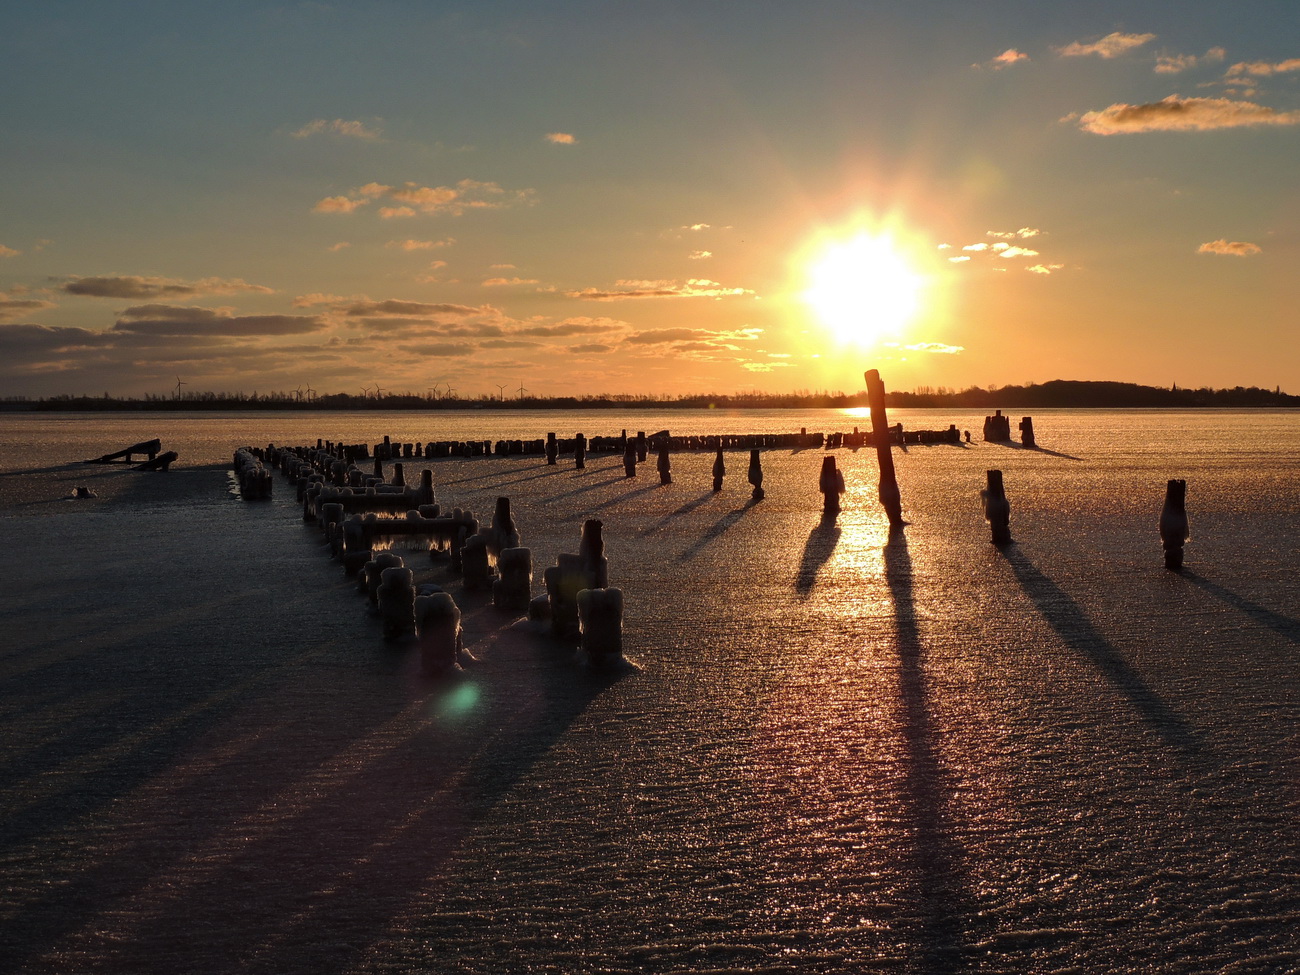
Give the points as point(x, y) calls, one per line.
point(660, 198)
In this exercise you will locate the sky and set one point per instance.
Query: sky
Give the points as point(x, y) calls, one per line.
point(719, 196)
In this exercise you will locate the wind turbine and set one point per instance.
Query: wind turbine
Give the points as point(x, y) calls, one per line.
point(365, 391)
point(451, 391)
point(501, 390)
point(311, 393)
point(298, 392)
point(179, 383)
point(522, 390)
point(377, 391)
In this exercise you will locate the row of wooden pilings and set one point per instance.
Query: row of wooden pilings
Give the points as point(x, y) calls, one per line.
point(580, 445)
point(363, 518)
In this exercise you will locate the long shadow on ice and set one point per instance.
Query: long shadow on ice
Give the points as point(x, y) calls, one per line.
point(209, 820)
point(685, 509)
point(1285, 625)
point(1012, 445)
point(718, 529)
point(1071, 624)
point(944, 903)
point(816, 553)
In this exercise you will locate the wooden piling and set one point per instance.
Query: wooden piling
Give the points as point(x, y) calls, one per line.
point(890, 498)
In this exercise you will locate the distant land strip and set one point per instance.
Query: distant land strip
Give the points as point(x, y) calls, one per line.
point(1058, 393)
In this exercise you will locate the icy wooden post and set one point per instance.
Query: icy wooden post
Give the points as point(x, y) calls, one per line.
point(756, 475)
point(997, 509)
point(642, 448)
point(890, 499)
point(504, 533)
point(1027, 431)
point(579, 451)
point(475, 566)
point(399, 475)
point(831, 485)
point(665, 465)
point(396, 597)
point(629, 459)
point(379, 465)
point(552, 449)
point(513, 588)
point(1174, 531)
point(426, 486)
point(600, 622)
point(719, 471)
point(437, 625)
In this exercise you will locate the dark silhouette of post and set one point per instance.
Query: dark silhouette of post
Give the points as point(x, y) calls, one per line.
point(890, 499)
point(1027, 431)
point(665, 465)
point(719, 471)
point(629, 459)
point(756, 475)
point(831, 485)
point(579, 452)
point(552, 449)
point(997, 509)
point(1174, 529)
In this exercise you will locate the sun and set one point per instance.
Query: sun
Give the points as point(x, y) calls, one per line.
point(863, 289)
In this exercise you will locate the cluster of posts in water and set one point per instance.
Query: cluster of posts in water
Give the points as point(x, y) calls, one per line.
point(363, 517)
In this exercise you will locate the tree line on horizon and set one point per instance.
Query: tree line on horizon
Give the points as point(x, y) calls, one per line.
point(1057, 393)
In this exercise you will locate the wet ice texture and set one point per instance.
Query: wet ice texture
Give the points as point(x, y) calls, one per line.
point(842, 750)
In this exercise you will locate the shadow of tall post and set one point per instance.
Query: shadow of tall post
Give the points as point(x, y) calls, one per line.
point(943, 901)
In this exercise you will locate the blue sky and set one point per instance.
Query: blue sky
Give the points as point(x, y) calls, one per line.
point(632, 197)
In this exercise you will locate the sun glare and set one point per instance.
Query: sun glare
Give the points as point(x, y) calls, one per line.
point(863, 289)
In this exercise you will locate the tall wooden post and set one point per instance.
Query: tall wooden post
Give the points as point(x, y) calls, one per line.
point(890, 499)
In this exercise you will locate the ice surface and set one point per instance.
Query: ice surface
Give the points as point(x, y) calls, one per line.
point(839, 750)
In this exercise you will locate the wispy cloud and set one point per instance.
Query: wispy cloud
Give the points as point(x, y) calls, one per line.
point(699, 255)
point(338, 126)
point(1044, 268)
point(157, 319)
point(506, 282)
point(13, 305)
point(335, 248)
point(1260, 69)
point(1176, 63)
point(693, 288)
point(1004, 60)
point(337, 204)
point(1178, 114)
point(1111, 46)
point(413, 198)
point(936, 348)
point(420, 245)
point(8, 251)
point(561, 138)
point(136, 286)
point(1235, 248)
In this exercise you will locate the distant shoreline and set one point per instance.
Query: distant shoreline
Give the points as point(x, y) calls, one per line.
point(1057, 394)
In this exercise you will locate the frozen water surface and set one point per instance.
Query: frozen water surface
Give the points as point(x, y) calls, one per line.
point(837, 751)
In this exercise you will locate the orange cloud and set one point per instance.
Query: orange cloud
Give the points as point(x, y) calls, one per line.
point(337, 204)
point(1175, 63)
point(1235, 248)
point(1004, 60)
point(561, 138)
point(1263, 68)
point(419, 245)
point(134, 286)
point(338, 126)
point(1177, 114)
point(501, 282)
point(1110, 46)
point(694, 288)
point(8, 251)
